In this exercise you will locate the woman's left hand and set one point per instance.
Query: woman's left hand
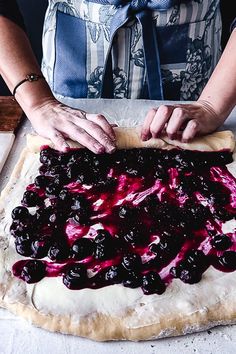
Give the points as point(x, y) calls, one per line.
point(181, 121)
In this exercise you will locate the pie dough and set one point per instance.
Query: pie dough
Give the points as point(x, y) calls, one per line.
point(113, 312)
point(128, 138)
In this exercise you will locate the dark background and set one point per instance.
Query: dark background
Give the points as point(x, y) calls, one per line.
point(33, 13)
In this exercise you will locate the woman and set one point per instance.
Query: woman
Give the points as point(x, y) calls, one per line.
point(158, 49)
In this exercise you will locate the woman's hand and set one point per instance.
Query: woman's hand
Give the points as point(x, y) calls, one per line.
point(57, 122)
point(181, 121)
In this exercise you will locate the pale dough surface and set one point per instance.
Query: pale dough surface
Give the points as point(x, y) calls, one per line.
point(112, 312)
point(128, 138)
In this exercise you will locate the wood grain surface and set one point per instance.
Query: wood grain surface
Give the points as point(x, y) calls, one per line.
point(10, 114)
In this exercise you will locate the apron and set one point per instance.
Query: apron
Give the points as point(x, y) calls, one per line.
point(149, 49)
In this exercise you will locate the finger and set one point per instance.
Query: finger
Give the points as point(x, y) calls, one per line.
point(145, 132)
point(162, 116)
point(79, 134)
point(176, 121)
point(192, 128)
point(58, 141)
point(103, 123)
point(97, 132)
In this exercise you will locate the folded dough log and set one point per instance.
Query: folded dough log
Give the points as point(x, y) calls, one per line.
point(128, 138)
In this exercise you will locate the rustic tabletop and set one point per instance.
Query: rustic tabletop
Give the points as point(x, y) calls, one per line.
point(18, 336)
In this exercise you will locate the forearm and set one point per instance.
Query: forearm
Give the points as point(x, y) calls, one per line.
point(16, 61)
point(220, 91)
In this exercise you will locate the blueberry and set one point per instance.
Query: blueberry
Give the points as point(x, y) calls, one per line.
point(18, 228)
point(23, 244)
point(161, 174)
point(65, 196)
point(14, 228)
point(135, 236)
point(81, 218)
point(114, 274)
point(40, 247)
point(221, 242)
point(55, 170)
point(82, 248)
point(48, 157)
point(33, 271)
point(87, 177)
point(152, 283)
point(222, 214)
point(132, 280)
point(228, 260)
point(175, 271)
point(195, 215)
point(43, 169)
point(150, 204)
point(41, 181)
point(132, 261)
point(60, 179)
point(42, 215)
point(63, 159)
point(20, 213)
point(180, 161)
point(73, 171)
point(52, 190)
point(170, 243)
point(45, 153)
point(75, 277)
point(102, 236)
point(55, 216)
point(58, 251)
point(79, 202)
point(106, 184)
point(74, 158)
point(104, 245)
point(127, 212)
point(197, 259)
point(132, 171)
point(48, 160)
point(30, 199)
point(190, 276)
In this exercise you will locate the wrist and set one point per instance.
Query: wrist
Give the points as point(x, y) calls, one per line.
point(32, 95)
point(212, 110)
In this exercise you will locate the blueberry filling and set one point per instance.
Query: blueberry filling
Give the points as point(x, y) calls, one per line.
point(137, 195)
point(75, 277)
point(82, 248)
point(221, 242)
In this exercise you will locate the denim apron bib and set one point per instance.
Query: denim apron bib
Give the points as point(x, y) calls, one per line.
point(156, 49)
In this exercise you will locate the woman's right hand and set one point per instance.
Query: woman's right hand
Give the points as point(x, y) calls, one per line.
point(56, 121)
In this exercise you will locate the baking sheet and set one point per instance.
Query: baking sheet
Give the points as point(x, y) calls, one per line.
point(17, 336)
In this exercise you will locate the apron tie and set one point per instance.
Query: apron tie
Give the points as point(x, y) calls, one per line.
point(142, 11)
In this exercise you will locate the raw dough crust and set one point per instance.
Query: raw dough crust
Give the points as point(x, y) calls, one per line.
point(128, 138)
point(112, 312)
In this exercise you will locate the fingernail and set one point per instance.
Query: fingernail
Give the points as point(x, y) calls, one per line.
point(111, 149)
point(99, 148)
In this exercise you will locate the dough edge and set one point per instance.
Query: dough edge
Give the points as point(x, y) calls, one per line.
point(101, 327)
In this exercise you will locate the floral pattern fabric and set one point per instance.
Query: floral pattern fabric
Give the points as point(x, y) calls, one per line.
point(185, 68)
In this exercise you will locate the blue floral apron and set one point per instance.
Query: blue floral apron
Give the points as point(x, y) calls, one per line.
point(157, 49)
